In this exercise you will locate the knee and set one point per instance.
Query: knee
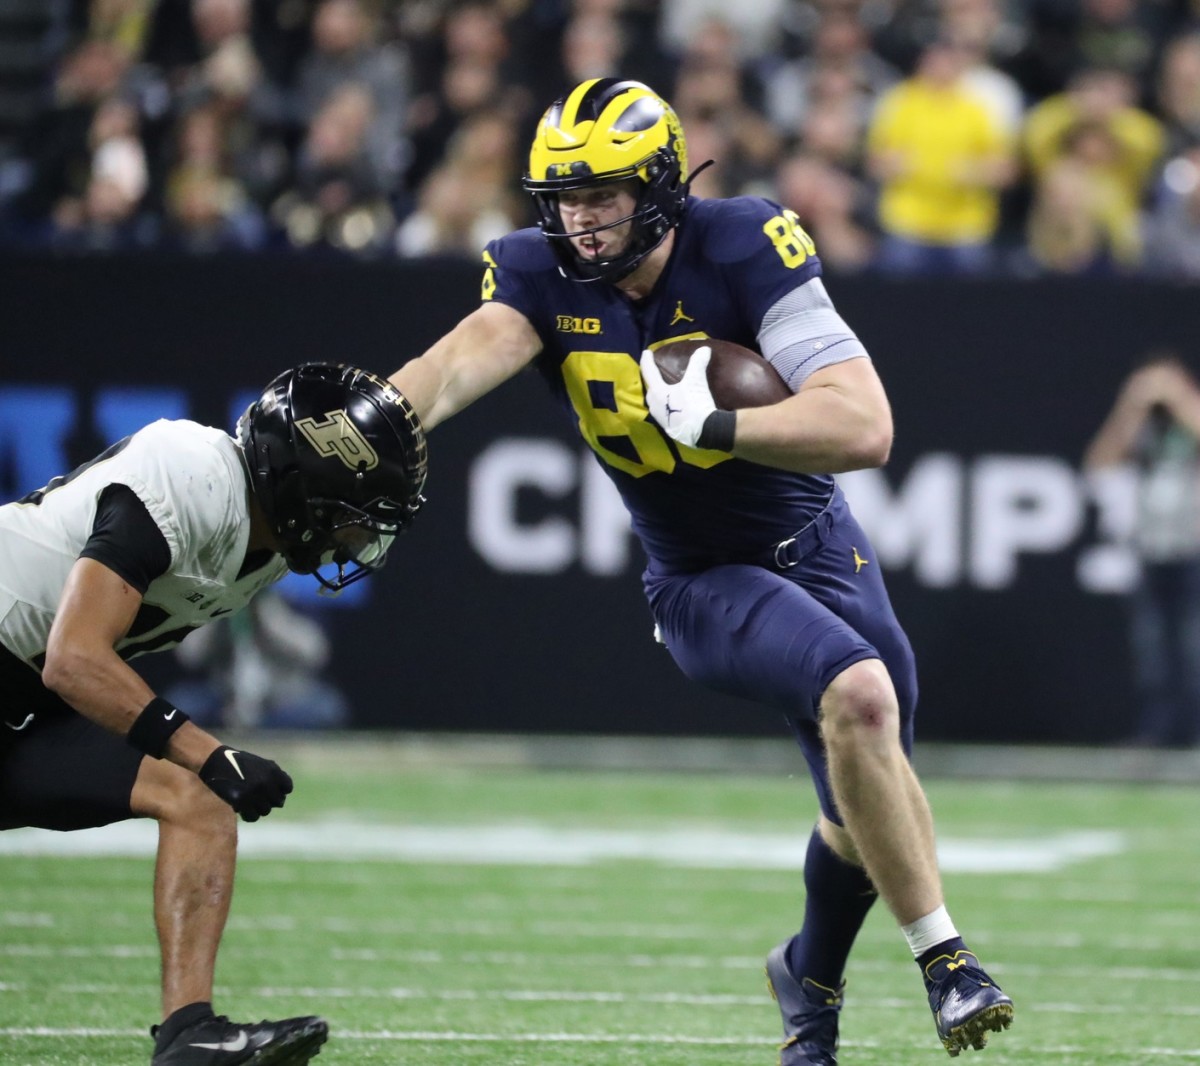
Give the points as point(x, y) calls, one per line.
point(860, 703)
point(171, 794)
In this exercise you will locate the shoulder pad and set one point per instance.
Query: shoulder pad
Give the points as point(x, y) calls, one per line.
point(731, 229)
point(523, 250)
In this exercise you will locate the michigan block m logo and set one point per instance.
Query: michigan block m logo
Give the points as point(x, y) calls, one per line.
point(337, 435)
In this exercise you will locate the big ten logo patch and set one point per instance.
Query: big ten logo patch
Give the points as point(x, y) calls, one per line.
point(569, 324)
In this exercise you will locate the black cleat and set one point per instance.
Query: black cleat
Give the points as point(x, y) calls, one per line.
point(810, 1014)
point(216, 1041)
point(966, 1003)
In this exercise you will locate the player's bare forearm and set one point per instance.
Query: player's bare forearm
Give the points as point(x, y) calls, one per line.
point(102, 687)
point(420, 380)
point(96, 610)
point(82, 667)
point(97, 683)
point(839, 421)
point(483, 351)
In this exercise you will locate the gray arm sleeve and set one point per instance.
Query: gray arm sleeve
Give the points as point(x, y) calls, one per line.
point(802, 333)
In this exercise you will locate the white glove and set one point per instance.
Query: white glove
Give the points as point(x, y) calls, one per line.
point(683, 408)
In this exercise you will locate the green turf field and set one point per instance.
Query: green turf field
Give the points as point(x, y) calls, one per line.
point(616, 918)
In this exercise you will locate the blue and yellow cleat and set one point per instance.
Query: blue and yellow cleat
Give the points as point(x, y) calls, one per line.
point(810, 1014)
point(966, 1003)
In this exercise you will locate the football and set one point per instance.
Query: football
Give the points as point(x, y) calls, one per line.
point(737, 376)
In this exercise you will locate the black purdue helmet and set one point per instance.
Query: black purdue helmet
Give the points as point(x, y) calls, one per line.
point(607, 130)
point(337, 460)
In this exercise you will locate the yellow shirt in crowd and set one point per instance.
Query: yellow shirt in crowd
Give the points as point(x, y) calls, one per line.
point(1138, 139)
point(944, 134)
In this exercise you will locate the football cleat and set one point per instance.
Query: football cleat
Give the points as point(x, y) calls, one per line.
point(966, 1003)
point(810, 1014)
point(216, 1041)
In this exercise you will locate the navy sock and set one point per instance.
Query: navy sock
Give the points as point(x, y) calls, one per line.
point(946, 948)
point(839, 895)
point(179, 1020)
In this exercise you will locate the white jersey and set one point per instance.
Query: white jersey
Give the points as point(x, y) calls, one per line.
point(193, 484)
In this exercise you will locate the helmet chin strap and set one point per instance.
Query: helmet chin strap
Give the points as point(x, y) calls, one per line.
point(687, 185)
point(599, 261)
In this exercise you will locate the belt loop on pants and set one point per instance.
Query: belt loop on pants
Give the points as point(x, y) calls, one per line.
point(791, 550)
point(779, 554)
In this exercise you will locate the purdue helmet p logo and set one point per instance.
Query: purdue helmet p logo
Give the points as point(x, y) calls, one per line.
point(337, 435)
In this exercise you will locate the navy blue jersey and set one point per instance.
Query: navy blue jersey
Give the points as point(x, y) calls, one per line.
point(732, 261)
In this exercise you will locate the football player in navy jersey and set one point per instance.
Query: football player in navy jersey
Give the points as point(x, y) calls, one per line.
point(759, 579)
point(170, 529)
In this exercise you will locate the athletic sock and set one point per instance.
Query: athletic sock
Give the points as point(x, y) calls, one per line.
point(947, 951)
point(838, 897)
point(178, 1021)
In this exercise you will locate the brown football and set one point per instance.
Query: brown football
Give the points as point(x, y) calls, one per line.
point(737, 376)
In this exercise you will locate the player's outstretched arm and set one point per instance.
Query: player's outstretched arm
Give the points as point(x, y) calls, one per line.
point(96, 610)
point(484, 350)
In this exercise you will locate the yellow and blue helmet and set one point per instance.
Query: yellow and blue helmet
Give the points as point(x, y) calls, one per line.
point(607, 130)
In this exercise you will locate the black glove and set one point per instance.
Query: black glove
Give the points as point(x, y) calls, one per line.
point(251, 785)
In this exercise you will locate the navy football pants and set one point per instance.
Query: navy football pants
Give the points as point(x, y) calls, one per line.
point(780, 636)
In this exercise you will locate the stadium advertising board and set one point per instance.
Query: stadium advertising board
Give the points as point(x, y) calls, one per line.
point(514, 602)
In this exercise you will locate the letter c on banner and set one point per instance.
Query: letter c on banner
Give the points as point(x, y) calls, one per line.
point(547, 546)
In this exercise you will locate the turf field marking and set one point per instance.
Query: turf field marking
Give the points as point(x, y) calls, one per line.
point(702, 962)
point(634, 1039)
point(657, 931)
point(635, 961)
point(544, 845)
point(25, 920)
point(47, 1031)
point(559, 996)
point(110, 951)
point(669, 1039)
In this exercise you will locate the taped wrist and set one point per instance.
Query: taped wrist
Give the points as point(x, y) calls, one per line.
point(154, 727)
point(717, 431)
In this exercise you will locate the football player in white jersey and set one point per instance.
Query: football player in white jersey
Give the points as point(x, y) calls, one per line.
point(167, 530)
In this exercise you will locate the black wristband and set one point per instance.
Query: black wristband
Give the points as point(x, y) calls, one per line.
point(717, 431)
point(154, 727)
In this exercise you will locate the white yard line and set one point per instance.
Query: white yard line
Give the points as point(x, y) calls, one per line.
point(610, 1039)
point(544, 845)
point(683, 931)
point(610, 962)
point(401, 995)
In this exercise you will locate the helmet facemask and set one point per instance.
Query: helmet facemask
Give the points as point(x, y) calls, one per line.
point(340, 534)
point(658, 207)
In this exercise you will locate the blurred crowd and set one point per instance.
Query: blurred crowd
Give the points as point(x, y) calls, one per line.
point(1027, 137)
